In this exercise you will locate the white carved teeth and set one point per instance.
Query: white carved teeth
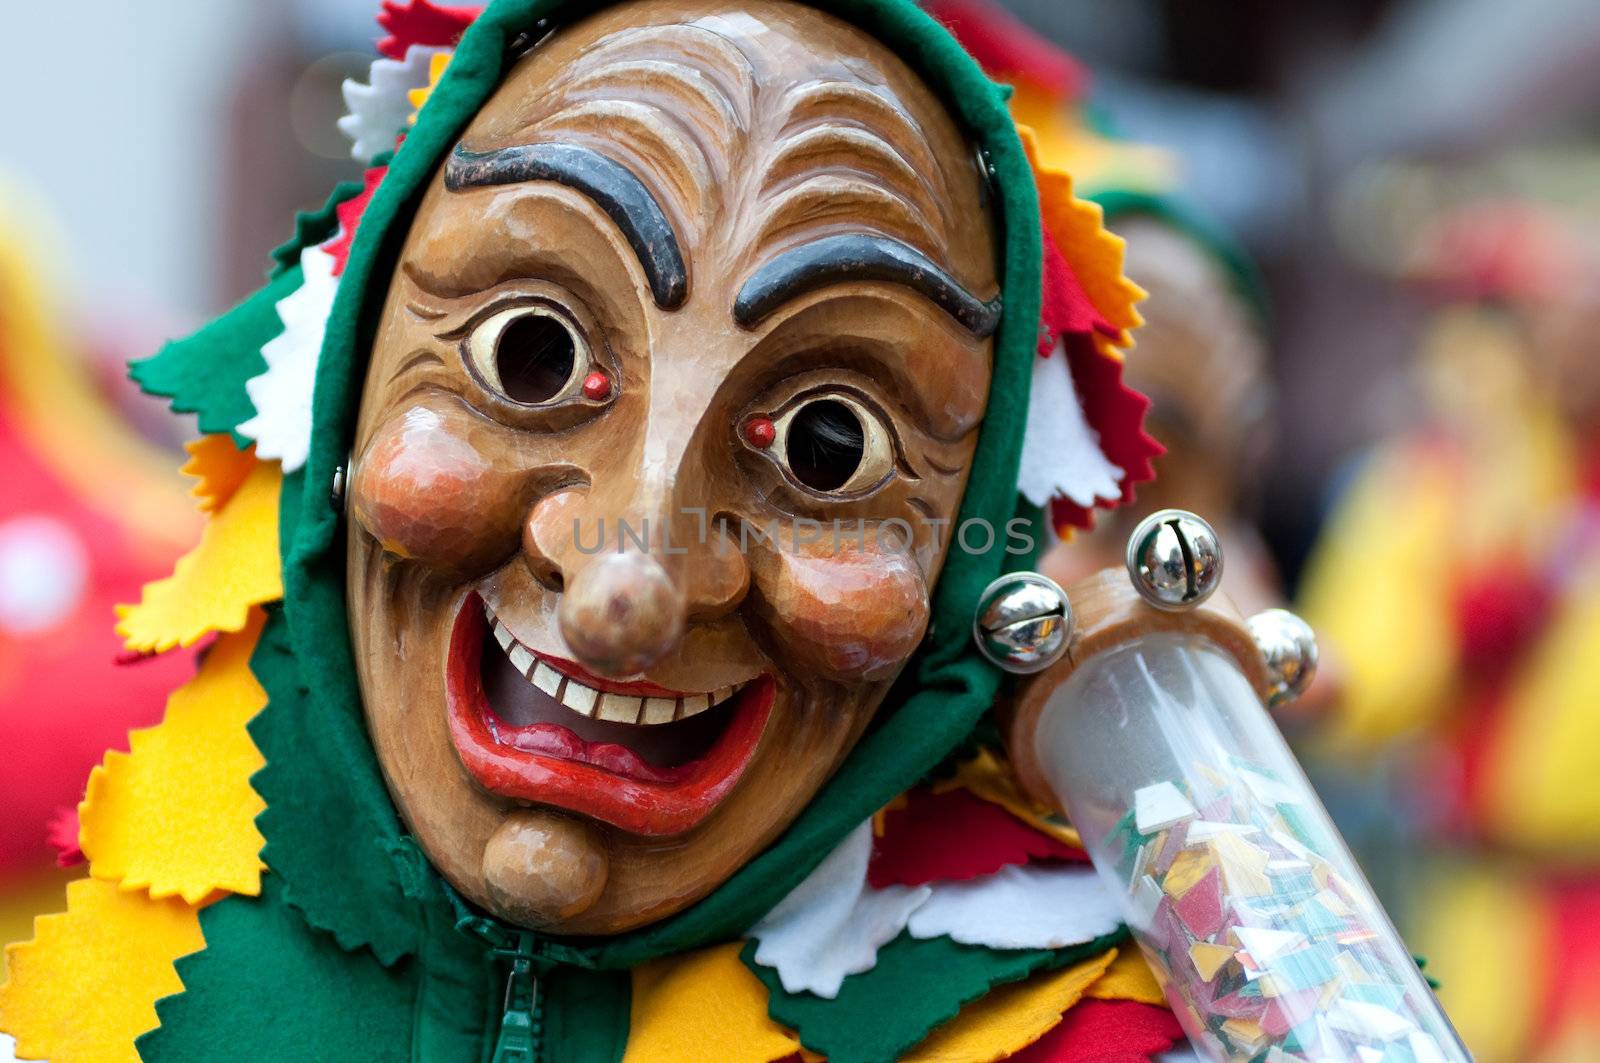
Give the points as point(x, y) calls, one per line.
point(598, 704)
point(659, 710)
point(620, 708)
point(579, 698)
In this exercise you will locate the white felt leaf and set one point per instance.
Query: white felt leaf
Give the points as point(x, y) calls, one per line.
point(281, 426)
point(380, 109)
point(832, 924)
point(1061, 455)
point(1026, 907)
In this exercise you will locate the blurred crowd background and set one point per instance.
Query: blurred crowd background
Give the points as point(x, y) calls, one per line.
point(1390, 399)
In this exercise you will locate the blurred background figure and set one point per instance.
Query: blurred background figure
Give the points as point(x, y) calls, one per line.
point(90, 510)
point(1460, 578)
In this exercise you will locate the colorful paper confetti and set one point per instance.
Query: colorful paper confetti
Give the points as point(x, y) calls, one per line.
point(1245, 904)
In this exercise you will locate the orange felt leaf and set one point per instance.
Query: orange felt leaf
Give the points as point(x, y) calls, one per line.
point(1093, 251)
point(220, 466)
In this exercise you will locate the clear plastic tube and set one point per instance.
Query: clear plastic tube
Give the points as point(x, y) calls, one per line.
point(1264, 934)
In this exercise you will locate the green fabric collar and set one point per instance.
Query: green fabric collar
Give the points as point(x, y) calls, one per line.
point(364, 880)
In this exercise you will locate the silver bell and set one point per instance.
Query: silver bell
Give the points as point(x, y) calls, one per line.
point(1289, 647)
point(1174, 559)
point(1024, 623)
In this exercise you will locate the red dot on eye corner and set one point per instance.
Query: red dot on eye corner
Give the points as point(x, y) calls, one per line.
point(760, 432)
point(597, 387)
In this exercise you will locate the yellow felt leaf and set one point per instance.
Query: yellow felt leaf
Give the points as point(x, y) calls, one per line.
point(1010, 1018)
point(1094, 252)
point(1543, 768)
point(1128, 978)
point(418, 97)
point(991, 779)
point(1487, 940)
point(88, 982)
point(220, 466)
point(705, 1005)
point(215, 584)
point(176, 814)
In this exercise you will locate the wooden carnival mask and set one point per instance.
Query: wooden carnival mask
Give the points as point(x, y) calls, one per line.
point(701, 280)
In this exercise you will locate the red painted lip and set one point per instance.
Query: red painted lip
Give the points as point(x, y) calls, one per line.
point(549, 764)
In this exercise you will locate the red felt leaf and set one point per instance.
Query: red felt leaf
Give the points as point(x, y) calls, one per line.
point(1067, 308)
point(419, 22)
point(63, 837)
point(1008, 50)
point(1105, 1031)
point(1115, 411)
point(952, 837)
point(350, 212)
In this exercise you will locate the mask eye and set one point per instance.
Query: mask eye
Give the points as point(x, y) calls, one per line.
point(833, 445)
point(529, 355)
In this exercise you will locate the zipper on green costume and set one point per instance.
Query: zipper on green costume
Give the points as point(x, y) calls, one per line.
point(521, 1035)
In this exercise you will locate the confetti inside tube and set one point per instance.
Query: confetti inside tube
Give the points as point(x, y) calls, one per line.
point(1265, 936)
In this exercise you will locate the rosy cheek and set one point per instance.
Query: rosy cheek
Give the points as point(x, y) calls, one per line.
point(425, 492)
point(852, 615)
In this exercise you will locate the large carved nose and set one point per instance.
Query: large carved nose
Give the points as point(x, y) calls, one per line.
point(621, 613)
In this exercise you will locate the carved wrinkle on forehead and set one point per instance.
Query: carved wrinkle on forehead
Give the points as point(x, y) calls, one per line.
point(707, 114)
point(678, 99)
point(845, 153)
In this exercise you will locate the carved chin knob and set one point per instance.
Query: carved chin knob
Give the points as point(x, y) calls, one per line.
point(541, 868)
point(621, 614)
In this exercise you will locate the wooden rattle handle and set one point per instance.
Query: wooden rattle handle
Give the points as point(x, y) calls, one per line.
point(1107, 612)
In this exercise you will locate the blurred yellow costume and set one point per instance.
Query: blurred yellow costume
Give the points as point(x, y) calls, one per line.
point(1459, 580)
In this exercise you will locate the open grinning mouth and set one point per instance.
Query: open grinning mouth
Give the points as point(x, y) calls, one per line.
point(537, 728)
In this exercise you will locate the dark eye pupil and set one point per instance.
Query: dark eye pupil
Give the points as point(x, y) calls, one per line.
point(825, 445)
point(535, 358)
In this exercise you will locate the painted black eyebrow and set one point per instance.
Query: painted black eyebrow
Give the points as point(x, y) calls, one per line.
point(857, 257)
point(613, 187)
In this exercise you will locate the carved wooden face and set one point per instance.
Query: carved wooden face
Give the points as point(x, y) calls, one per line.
point(700, 279)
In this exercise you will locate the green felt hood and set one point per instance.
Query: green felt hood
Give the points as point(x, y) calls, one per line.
point(335, 846)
